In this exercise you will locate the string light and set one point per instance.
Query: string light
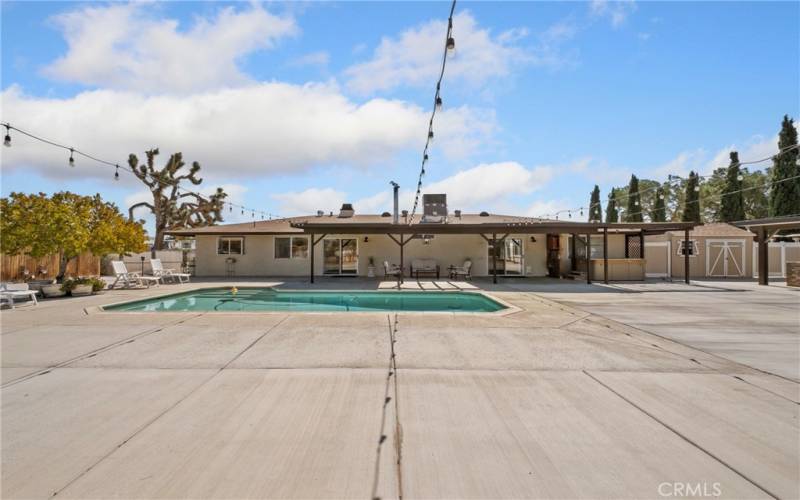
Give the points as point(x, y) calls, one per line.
point(74, 151)
point(449, 47)
point(675, 178)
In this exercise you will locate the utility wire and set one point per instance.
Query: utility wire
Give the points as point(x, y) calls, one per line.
point(74, 151)
point(449, 47)
point(672, 178)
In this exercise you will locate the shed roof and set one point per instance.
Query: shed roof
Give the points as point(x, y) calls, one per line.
point(716, 229)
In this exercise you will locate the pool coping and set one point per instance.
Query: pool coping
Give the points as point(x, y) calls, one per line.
point(509, 308)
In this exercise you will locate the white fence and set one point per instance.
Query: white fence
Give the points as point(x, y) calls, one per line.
point(779, 254)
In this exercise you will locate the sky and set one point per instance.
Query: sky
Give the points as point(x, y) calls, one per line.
point(298, 107)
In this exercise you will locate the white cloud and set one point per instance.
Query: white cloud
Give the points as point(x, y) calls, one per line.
point(121, 46)
point(308, 201)
point(254, 130)
point(547, 209)
point(479, 187)
point(320, 58)
point(414, 57)
point(616, 11)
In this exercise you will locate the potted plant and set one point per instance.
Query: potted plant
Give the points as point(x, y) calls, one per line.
point(53, 289)
point(371, 268)
point(78, 287)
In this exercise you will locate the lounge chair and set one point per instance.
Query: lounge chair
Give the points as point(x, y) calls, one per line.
point(424, 266)
point(128, 279)
point(160, 272)
point(11, 291)
point(465, 271)
point(393, 270)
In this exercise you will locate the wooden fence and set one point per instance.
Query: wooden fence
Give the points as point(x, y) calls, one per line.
point(13, 267)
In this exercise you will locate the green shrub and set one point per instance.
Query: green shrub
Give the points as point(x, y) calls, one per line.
point(70, 283)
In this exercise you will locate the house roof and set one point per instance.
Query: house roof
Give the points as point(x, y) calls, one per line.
point(716, 229)
point(465, 224)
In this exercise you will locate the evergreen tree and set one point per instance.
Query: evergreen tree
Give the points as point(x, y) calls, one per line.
point(784, 195)
point(634, 212)
point(732, 208)
point(691, 204)
point(612, 215)
point(595, 207)
point(659, 213)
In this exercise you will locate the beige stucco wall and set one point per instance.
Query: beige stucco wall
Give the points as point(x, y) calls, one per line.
point(447, 250)
point(698, 264)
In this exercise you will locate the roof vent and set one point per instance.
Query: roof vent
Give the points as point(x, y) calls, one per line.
point(346, 210)
point(320, 213)
point(484, 214)
point(458, 213)
point(386, 214)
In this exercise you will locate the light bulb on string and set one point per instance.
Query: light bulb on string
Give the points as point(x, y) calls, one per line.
point(740, 177)
point(581, 211)
point(569, 214)
point(71, 157)
point(116, 173)
point(697, 189)
point(253, 214)
point(438, 103)
point(451, 45)
point(7, 140)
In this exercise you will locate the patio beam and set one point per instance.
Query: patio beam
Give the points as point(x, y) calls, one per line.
point(494, 258)
point(605, 255)
point(763, 257)
point(588, 259)
point(314, 242)
point(686, 243)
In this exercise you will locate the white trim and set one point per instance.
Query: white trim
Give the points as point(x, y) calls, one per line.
point(667, 244)
point(291, 246)
point(240, 238)
point(725, 252)
point(695, 248)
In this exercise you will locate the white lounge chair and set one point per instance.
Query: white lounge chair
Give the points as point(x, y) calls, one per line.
point(130, 279)
point(11, 291)
point(465, 271)
point(160, 272)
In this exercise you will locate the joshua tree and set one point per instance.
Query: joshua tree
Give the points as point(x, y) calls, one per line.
point(171, 208)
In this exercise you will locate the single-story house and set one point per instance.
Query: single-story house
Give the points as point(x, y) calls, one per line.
point(350, 244)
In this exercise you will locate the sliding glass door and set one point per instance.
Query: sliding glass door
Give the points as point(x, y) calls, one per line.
point(340, 256)
point(510, 258)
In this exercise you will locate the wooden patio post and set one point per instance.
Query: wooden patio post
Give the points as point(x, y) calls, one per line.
point(573, 262)
point(641, 243)
point(588, 259)
point(312, 257)
point(605, 255)
point(686, 244)
point(763, 257)
point(402, 271)
point(494, 257)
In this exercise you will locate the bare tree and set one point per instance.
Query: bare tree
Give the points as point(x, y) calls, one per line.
point(171, 208)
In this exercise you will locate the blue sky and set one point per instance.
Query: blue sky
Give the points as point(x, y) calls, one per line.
point(298, 107)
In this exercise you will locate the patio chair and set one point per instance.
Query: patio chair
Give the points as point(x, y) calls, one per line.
point(465, 271)
point(393, 270)
point(424, 266)
point(129, 279)
point(11, 291)
point(160, 272)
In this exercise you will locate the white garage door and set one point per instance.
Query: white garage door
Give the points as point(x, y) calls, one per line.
point(725, 258)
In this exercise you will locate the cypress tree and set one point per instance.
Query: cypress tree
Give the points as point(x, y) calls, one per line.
point(732, 208)
point(595, 207)
point(612, 215)
point(659, 208)
point(784, 195)
point(691, 201)
point(634, 212)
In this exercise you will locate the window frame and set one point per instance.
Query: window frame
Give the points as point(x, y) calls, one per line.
point(291, 255)
point(228, 239)
point(695, 248)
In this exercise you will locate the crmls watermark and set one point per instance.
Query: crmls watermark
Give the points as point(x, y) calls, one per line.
point(684, 490)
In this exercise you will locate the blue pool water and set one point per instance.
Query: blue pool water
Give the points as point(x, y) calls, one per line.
point(269, 299)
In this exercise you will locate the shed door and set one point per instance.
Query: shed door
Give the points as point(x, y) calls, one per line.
point(725, 259)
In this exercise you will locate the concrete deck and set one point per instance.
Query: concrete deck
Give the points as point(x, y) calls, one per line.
point(585, 392)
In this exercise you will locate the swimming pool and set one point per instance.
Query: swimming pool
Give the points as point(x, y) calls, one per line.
point(270, 299)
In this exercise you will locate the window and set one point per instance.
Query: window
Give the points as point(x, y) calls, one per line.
point(230, 246)
point(295, 247)
point(596, 247)
point(692, 248)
